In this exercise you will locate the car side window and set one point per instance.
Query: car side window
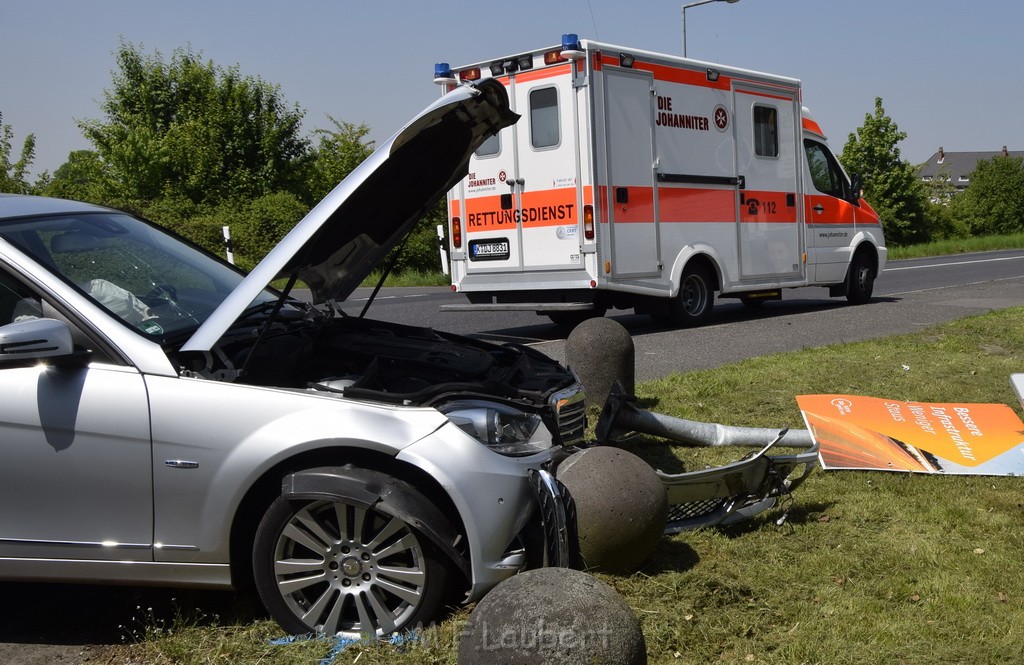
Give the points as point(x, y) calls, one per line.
point(17, 303)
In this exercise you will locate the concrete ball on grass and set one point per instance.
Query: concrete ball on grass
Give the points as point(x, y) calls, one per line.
point(621, 507)
point(601, 352)
point(552, 615)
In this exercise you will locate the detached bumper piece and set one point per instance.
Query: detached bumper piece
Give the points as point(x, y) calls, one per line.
point(719, 495)
point(558, 520)
point(734, 492)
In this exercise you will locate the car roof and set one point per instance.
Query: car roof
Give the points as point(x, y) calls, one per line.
point(20, 205)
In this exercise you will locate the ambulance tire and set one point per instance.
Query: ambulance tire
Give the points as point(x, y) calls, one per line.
point(860, 281)
point(692, 306)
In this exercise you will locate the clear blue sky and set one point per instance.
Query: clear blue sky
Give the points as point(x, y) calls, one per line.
point(949, 72)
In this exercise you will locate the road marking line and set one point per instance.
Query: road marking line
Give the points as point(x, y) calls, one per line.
point(955, 263)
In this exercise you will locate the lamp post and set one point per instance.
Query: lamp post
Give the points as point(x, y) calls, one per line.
point(695, 4)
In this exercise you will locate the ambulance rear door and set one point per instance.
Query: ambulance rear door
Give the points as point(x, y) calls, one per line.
point(632, 195)
point(521, 199)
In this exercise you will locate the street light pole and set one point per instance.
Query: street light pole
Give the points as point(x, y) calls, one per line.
point(697, 4)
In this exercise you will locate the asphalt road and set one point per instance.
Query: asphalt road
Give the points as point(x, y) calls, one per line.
point(909, 295)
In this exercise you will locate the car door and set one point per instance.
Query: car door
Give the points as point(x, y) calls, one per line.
point(75, 452)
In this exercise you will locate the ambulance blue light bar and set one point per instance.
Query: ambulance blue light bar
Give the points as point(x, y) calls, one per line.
point(443, 73)
point(570, 50)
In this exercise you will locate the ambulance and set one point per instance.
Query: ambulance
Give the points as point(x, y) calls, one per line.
point(652, 182)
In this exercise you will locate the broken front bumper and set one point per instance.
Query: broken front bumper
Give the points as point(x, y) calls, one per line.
point(723, 494)
point(734, 492)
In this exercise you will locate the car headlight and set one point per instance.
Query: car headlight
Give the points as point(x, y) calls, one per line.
point(501, 427)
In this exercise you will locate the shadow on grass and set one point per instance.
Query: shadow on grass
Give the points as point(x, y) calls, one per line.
point(37, 613)
point(796, 512)
point(671, 555)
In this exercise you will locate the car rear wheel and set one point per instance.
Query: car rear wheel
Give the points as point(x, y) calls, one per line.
point(330, 566)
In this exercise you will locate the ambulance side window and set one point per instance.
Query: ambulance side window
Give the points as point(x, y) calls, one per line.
point(490, 147)
point(766, 131)
point(544, 117)
point(826, 175)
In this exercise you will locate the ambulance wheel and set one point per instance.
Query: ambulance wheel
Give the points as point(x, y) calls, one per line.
point(860, 282)
point(692, 306)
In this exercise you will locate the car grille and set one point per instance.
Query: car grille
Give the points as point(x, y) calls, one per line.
point(569, 406)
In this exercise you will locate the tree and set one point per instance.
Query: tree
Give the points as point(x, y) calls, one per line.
point(993, 202)
point(80, 178)
point(339, 152)
point(891, 184)
point(189, 128)
point(938, 211)
point(13, 176)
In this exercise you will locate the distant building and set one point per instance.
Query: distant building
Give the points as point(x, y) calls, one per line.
point(958, 166)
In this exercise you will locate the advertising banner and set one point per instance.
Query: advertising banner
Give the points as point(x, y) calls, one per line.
point(889, 435)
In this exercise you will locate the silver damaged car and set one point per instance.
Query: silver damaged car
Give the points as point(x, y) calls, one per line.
point(167, 420)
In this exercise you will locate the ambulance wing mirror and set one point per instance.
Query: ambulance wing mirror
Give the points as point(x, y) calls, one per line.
point(855, 187)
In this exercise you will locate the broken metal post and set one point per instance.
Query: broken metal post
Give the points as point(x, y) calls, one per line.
point(620, 417)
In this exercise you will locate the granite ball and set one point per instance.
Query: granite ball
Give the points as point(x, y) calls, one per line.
point(556, 616)
point(601, 352)
point(621, 507)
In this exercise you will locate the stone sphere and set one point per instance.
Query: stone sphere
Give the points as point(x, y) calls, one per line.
point(552, 615)
point(601, 352)
point(621, 507)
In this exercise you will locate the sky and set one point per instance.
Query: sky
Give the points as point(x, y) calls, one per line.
point(949, 73)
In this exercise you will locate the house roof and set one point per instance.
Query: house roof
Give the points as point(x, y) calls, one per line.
point(960, 165)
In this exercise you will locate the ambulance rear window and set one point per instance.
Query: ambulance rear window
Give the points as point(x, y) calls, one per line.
point(544, 117)
point(766, 131)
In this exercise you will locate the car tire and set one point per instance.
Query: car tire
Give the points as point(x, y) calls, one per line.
point(331, 566)
point(860, 281)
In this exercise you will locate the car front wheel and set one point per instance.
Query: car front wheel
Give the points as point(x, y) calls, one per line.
point(330, 566)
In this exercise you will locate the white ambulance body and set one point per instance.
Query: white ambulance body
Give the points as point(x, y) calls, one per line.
point(647, 181)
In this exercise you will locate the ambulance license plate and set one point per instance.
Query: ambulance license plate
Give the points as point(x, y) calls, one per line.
point(491, 249)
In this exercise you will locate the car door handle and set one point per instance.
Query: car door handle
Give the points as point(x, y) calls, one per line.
point(818, 208)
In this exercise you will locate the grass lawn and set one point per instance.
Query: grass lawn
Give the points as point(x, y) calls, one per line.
point(870, 567)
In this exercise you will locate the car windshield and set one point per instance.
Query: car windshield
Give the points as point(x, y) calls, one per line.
point(150, 280)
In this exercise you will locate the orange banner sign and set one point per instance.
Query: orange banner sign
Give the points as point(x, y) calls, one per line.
point(889, 435)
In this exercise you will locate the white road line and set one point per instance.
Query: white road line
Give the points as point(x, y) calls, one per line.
point(955, 263)
point(404, 295)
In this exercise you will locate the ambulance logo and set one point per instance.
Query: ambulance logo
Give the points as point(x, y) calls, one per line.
point(721, 117)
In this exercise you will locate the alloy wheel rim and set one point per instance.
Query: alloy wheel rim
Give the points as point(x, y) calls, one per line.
point(346, 569)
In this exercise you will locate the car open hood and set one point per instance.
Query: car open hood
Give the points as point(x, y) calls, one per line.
point(350, 231)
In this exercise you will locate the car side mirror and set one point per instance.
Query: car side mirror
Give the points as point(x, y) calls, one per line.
point(35, 339)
